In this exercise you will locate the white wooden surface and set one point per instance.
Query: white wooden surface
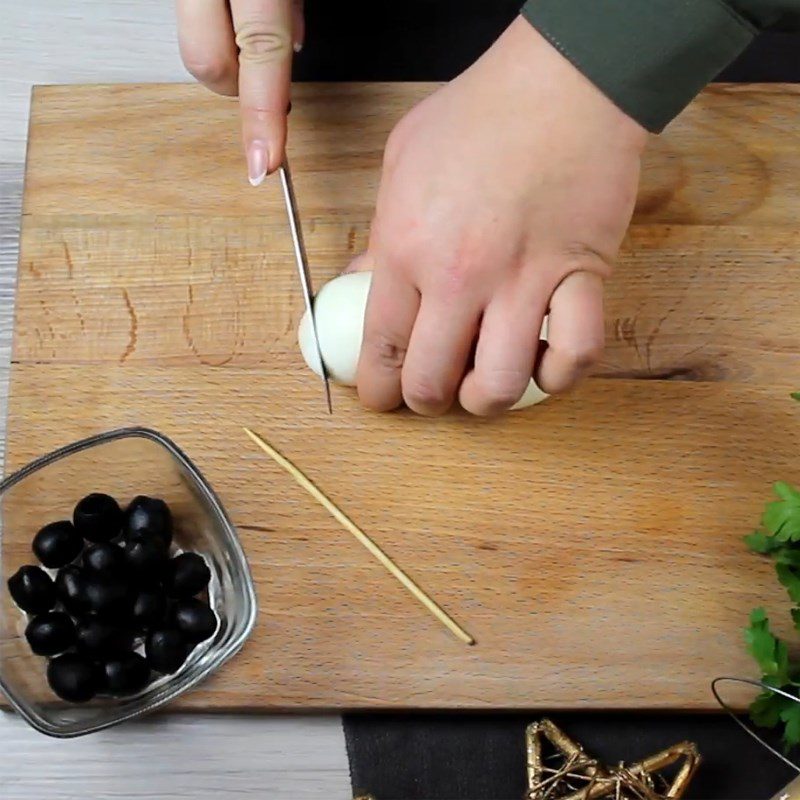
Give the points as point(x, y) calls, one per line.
point(188, 757)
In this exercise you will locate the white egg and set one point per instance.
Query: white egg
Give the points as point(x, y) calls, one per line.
point(339, 310)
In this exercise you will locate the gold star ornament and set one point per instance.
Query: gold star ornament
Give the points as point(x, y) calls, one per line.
point(560, 769)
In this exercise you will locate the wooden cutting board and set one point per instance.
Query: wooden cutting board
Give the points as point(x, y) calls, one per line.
point(592, 545)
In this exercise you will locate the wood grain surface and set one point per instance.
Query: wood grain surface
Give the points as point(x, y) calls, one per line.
point(592, 545)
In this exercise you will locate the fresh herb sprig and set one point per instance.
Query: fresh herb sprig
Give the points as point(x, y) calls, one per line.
point(778, 538)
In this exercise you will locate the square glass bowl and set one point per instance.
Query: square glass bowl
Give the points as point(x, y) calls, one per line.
point(123, 464)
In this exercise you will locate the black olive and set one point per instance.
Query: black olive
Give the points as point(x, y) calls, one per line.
point(32, 589)
point(73, 678)
point(126, 674)
point(105, 560)
point(187, 575)
point(50, 634)
point(148, 517)
point(146, 557)
point(71, 589)
point(98, 517)
point(149, 607)
point(100, 639)
point(194, 619)
point(166, 650)
point(57, 544)
point(109, 599)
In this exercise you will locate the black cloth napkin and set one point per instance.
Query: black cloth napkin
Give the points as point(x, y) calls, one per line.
point(482, 756)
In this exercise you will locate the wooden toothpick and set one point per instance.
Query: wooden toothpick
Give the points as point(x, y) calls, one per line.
point(362, 537)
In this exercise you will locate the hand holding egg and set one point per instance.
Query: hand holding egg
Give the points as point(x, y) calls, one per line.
point(339, 310)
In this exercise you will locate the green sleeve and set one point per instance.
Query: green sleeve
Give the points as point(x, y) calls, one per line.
point(651, 57)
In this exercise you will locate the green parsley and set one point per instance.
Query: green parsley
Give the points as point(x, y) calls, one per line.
point(779, 539)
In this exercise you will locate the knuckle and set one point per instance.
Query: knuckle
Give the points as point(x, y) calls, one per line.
point(581, 257)
point(209, 71)
point(502, 388)
point(260, 44)
point(426, 394)
point(455, 277)
point(399, 245)
point(389, 353)
point(405, 254)
point(454, 274)
point(582, 356)
point(463, 266)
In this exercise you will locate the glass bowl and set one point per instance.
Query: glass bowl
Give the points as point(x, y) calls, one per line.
point(122, 463)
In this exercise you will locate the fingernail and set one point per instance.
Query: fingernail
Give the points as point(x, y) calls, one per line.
point(297, 47)
point(257, 162)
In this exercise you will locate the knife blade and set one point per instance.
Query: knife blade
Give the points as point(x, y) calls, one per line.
point(301, 259)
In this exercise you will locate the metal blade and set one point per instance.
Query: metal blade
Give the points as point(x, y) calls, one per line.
point(302, 266)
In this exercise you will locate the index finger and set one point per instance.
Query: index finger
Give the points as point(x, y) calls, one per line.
point(263, 31)
point(391, 310)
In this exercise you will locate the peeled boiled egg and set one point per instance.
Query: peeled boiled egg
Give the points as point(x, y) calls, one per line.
point(339, 310)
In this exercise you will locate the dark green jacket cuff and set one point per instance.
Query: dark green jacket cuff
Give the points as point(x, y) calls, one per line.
point(650, 57)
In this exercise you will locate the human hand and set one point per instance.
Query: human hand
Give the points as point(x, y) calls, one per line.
point(505, 195)
point(245, 47)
